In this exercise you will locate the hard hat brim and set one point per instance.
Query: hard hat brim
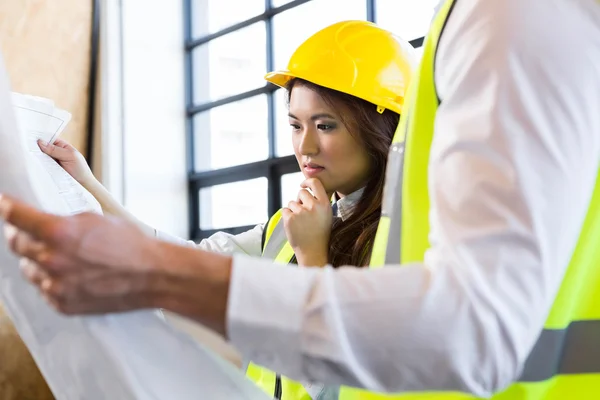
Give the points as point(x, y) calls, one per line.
point(280, 78)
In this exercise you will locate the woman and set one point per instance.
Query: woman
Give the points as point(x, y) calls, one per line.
point(345, 87)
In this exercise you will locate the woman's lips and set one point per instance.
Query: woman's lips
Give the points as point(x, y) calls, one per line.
point(312, 169)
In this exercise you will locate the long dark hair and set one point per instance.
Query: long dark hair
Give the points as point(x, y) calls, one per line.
point(351, 241)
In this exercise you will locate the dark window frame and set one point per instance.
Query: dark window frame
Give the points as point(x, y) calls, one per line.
point(272, 168)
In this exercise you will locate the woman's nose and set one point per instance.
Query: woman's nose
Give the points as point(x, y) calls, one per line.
point(309, 143)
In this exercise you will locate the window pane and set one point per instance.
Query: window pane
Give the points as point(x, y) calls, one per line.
point(231, 64)
point(292, 27)
point(283, 130)
point(408, 19)
point(290, 186)
point(209, 16)
point(232, 134)
point(279, 3)
point(234, 204)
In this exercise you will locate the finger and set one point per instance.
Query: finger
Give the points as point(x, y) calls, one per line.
point(10, 233)
point(54, 151)
point(286, 213)
point(70, 296)
point(317, 188)
point(68, 305)
point(304, 197)
point(63, 144)
point(22, 244)
point(295, 207)
point(37, 224)
point(57, 289)
point(38, 253)
point(32, 272)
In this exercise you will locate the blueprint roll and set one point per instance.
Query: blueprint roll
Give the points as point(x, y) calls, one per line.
point(129, 356)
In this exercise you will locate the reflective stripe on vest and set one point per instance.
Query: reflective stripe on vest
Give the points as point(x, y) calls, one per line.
point(565, 361)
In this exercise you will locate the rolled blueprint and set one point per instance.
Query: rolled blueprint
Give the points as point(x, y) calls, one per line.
point(129, 356)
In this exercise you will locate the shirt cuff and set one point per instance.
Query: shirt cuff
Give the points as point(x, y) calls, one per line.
point(265, 311)
point(173, 239)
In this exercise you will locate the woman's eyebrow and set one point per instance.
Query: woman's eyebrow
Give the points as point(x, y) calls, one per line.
point(322, 115)
point(315, 116)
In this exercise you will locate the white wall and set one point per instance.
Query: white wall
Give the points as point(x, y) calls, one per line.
point(149, 172)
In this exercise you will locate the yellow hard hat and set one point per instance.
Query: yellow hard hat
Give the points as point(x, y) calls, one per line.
point(354, 57)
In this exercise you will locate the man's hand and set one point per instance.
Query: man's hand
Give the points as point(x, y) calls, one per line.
point(307, 223)
point(82, 264)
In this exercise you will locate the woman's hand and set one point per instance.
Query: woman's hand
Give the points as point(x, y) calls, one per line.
point(307, 223)
point(70, 159)
point(74, 163)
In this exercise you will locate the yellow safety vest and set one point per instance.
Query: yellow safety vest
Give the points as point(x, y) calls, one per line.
point(276, 247)
point(563, 364)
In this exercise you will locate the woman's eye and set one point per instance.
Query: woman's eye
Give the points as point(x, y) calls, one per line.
point(325, 127)
point(295, 127)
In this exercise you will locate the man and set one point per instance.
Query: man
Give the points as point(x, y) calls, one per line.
point(490, 207)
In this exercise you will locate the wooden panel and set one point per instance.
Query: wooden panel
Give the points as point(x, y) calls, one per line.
point(19, 376)
point(46, 45)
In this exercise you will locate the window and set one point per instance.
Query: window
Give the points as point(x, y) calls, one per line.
point(409, 19)
point(283, 130)
point(278, 3)
point(240, 159)
point(232, 134)
point(292, 27)
point(231, 64)
point(240, 203)
point(290, 185)
point(210, 16)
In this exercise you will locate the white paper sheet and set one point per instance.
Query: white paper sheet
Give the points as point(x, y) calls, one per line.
point(129, 356)
point(38, 118)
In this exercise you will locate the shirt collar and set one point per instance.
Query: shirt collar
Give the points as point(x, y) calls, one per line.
point(346, 205)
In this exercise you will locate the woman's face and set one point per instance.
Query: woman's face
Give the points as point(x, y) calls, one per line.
point(323, 146)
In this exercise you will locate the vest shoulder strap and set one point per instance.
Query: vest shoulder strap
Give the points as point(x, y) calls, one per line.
point(269, 228)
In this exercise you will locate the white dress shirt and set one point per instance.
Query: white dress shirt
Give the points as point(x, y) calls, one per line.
point(250, 242)
point(514, 160)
